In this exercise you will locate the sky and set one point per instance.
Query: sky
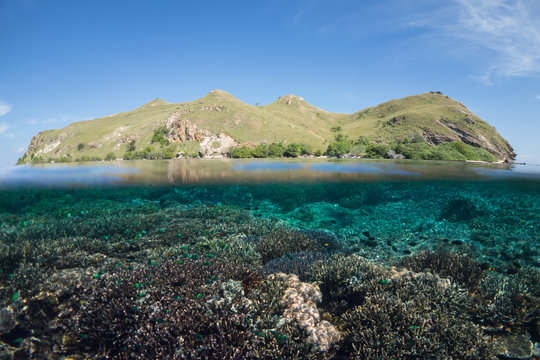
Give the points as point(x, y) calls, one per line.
point(63, 61)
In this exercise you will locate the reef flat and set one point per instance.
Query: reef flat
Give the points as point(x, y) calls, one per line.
point(373, 270)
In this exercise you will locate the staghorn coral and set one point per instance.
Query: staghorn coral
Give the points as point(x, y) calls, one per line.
point(333, 277)
point(510, 304)
point(413, 315)
point(295, 263)
point(283, 241)
point(458, 268)
point(173, 309)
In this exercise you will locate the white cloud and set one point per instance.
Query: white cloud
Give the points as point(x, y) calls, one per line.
point(538, 97)
point(3, 128)
point(499, 38)
point(508, 28)
point(4, 107)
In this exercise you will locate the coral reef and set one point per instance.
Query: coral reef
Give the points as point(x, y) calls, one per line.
point(186, 308)
point(283, 241)
point(299, 264)
point(413, 315)
point(458, 268)
point(510, 305)
point(389, 270)
point(334, 279)
point(300, 301)
point(289, 320)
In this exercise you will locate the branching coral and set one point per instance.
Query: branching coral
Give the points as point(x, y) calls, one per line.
point(333, 277)
point(414, 316)
point(295, 263)
point(283, 241)
point(458, 268)
point(169, 309)
point(511, 304)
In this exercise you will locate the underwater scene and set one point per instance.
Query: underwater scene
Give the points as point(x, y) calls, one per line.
point(240, 259)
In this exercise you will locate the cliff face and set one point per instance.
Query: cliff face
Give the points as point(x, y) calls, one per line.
point(213, 124)
point(502, 151)
point(40, 145)
point(180, 129)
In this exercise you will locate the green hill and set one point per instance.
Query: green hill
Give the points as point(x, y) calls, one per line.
point(218, 122)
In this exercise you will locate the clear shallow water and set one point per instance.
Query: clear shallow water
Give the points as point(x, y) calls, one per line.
point(84, 246)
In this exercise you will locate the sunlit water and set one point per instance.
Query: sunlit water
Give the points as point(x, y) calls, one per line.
point(67, 230)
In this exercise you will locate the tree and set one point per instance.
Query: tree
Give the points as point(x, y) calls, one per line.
point(340, 146)
point(260, 151)
point(293, 150)
point(276, 150)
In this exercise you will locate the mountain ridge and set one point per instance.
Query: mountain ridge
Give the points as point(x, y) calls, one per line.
point(220, 121)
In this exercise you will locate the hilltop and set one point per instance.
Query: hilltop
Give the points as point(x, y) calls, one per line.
point(218, 123)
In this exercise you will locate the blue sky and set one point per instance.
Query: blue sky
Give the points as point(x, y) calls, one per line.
point(63, 60)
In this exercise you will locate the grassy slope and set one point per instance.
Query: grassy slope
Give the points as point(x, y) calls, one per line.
point(289, 119)
point(415, 113)
point(139, 122)
point(297, 122)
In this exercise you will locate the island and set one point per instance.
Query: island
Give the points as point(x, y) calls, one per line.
point(429, 126)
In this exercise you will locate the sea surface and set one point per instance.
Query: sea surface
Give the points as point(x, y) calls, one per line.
point(284, 259)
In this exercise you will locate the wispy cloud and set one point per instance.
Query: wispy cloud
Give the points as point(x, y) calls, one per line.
point(5, 107)
point(3, 128)
point(538, 97)
point(307, 6)
point(56, 119)
point(497, 38)
point(509, 29)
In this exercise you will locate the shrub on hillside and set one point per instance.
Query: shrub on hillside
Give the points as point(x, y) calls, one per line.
point(293, 150)
point(276, 150)
point(159, 137)
point(340, 146)
point(241, 152)
point(377, 150)
point(260, 151)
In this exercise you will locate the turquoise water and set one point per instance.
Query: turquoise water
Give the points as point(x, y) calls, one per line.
point(313, 259)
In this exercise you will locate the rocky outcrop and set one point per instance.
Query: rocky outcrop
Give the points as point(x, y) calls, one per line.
point(182, 129)
point(211, 144)
point(40, 146)
point(504, 153)
point(288, 99)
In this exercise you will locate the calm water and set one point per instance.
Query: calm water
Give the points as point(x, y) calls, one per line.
point(270, 259)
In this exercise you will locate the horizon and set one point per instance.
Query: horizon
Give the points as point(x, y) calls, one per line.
point(67, 62)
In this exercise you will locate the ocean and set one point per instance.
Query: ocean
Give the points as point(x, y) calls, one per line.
point(272, 259)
